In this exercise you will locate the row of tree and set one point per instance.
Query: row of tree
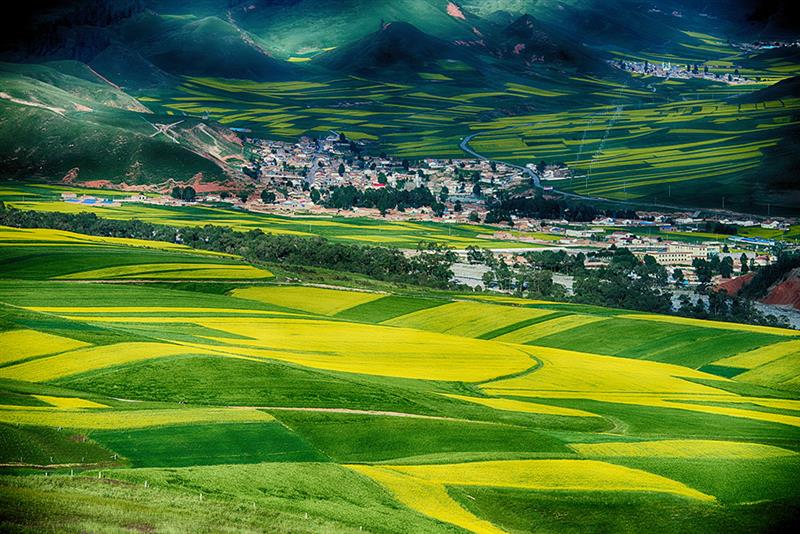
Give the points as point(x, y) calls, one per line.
point(383, 199)
point(502, 208)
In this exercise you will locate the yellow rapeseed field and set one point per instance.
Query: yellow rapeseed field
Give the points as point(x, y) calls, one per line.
point(310, 299)
point(103, 310)
point(22, 344)
point(423, 487)
point(572, 475)
point(511, 405)
point(69, 402)
point(46, 236)
point(781, 373)
point(121, 419)
point(469, 319)
point(428, 498)
point(711, 324)
point(89, 359)
point(762, 355)
point(681, 448)
point(546, 328)
point(369, 349)
point(580, 372)
point(172, 270)
point(566, 374)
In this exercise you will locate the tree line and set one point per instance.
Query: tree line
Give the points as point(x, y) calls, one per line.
point(383, 199)
point(502, 208)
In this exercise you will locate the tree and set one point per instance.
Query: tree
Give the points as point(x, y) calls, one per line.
point(382, 178)
point(476, 190)
point(443, 194)
point(315, 196)
point(743, 260)
point(177, 192)
point(438, 209)
point(474, 217)
point(475, 255)
point(457, 207)
point(189, 194)
point(678, 277)
point(268, 197)
point(341, 169)
point(726, 267)
point(703, 270)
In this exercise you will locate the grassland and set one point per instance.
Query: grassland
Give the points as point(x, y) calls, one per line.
point(316, 409)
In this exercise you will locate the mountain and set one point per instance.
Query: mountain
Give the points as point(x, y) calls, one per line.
point(144, 48)
point(532, 41)
point(205, 46)
point(395, 46)
point(292, 27)
point(788, 88)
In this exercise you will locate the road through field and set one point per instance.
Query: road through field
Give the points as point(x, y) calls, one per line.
point(464, 145)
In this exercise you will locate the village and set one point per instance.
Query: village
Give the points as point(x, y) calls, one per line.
point(682, 71)
point(287, 179)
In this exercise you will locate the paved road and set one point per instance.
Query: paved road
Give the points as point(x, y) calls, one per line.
point(465, 147)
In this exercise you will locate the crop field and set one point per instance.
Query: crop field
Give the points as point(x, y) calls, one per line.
point(325, 409)
point(666, 152)
point(314, 300)
point(356, 230)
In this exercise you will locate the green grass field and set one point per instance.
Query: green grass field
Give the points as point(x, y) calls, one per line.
point(155, 406)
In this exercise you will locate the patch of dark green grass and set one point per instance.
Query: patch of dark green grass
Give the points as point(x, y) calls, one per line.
point(679, 344)
point(208, 444)
point(49, 446)
point(387, 308)
point(522, 324)
point(520, 511)
point(365, 438)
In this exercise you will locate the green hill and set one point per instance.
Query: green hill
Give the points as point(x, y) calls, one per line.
point(194, 46)
point(174, 406)
point(397, 46)
point(62, 119)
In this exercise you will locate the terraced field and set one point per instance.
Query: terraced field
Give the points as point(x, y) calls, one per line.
point(670, 152)
point(332, 410)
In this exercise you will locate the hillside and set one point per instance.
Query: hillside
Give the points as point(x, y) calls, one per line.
point(396, 47)
point(554, 81)
point(531, 41)
point(44, 109)
point(291, 404)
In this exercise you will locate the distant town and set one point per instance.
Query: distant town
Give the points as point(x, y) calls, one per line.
point(302, 179)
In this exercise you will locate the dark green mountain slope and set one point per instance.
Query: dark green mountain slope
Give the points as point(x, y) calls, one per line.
point(56, 121)
point(396, 46)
